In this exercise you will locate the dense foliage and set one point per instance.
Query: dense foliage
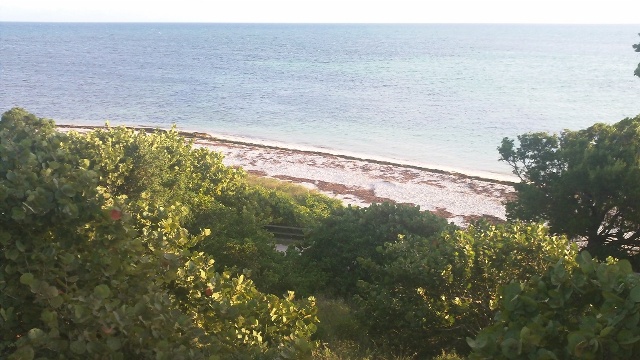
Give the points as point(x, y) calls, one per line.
point(586, 311)
point(165, 169)
point(429, 294)
point(334, 248)
point(108, 240)
point(585, 183)
point(86, 273)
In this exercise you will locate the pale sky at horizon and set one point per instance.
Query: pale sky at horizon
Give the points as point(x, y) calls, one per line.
point(325, 11)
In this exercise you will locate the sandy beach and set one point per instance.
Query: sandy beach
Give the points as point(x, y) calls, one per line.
point(458, 197)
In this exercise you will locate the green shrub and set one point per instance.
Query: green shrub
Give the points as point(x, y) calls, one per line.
point(86, 274)
point(589, 311)
point(426, 295)
point(293, 205)
point(334, 247)
point(337, 322)
point(164, 167)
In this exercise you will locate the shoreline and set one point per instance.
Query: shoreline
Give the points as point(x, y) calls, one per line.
point(458, 197)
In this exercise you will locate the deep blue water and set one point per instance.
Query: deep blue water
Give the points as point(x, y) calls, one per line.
point(438, 95)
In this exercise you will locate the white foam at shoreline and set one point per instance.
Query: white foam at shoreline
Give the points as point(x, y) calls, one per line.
point(364, 157)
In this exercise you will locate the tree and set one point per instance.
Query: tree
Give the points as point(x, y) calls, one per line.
point(637, 48)
point(585, 184)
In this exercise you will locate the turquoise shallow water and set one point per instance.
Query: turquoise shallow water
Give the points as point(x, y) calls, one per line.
point(435, 95)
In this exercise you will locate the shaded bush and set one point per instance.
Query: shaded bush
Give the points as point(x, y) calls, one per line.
point(334, 247)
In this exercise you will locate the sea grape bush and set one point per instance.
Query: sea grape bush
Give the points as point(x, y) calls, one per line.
point(107, 241)
point(589, 311)
point(66, 261)
point(299, 209)
point(163, 163)
point(250, 324)
point(428, 294)
point(164, 167)
point(348, 234)
point(86, 273)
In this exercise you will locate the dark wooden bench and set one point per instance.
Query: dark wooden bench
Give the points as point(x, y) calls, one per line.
point(286, 234)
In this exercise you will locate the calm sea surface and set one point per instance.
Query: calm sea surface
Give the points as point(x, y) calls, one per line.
point(436, 95)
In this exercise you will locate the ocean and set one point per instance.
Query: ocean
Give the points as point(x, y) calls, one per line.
point(434, 95)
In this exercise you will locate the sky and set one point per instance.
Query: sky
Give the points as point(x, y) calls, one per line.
point(325, 11)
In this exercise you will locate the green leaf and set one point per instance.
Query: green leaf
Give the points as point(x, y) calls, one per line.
point(5, 314)
point(585, 261)
point(67, 258)
point(544, 354)
point(625, 266)
point(606, 331)
point(68, 190)
point(23, 353)
point(80, 311)
point(17, 214)
point(575, 339)
point(12, 254)
point(477, 344)
point(510, 292)
point(626, 337)
point(20, 246)
point(634, 294)
point(586, 257)
point(48, 317)
point(114, 343)
point(102, 291)
point(27, 279)
point(50, 292)
point(78, 347)
point(510, 348)
point(35, 334)
point(56, 302)
point(4, 237)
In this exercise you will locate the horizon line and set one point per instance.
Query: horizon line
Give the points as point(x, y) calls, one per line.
point(304, 23)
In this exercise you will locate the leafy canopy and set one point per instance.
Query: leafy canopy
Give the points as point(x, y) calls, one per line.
point(577, 309)
point(87, 274)
point(585, 184)
point(427, 295)
point(163, 166)
point(349, 234)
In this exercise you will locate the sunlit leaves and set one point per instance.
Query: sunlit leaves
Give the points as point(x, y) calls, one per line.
point(589, 311)
point(430, 293)
point(90, 274)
